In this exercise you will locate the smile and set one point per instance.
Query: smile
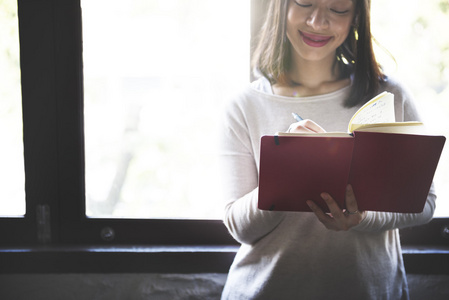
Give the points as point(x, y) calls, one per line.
point(314, 40)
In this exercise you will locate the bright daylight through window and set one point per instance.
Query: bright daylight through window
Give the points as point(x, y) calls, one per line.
point(155, 76)
point(421, 51)
point(12, 177)
point(157, 72)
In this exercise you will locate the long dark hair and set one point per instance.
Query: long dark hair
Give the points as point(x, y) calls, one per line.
point(272, 57)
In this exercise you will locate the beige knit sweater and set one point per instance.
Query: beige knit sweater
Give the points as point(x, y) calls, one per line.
point(291, 255)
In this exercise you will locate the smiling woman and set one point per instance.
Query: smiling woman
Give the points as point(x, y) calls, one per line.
point(348, 246)
point(315, 31)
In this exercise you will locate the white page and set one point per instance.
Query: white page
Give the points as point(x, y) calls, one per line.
point(378, 110)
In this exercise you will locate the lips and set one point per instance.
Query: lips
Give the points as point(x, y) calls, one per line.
point(315, 40)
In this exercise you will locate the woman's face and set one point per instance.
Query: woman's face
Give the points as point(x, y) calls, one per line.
point(316, 28)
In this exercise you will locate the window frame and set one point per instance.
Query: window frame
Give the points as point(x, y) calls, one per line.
point(52, 99)
point(52, 96)
point(38, 101)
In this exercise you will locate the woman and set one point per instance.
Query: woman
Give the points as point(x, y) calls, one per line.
point(315, 58)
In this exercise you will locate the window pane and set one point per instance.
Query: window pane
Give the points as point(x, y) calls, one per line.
point(155, 75)
point(413, 31)
point(12, 176)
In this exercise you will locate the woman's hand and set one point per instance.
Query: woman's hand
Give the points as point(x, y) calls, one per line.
point(305, 126)
point(339, 219)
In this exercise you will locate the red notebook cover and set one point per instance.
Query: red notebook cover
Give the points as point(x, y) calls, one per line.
point(389, 172)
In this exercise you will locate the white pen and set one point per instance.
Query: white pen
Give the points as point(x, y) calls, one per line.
point(297, 117)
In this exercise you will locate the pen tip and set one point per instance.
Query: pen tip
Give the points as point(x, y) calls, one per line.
point(297, 117)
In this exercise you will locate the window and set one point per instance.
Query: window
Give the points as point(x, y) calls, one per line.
point(155, 76)
point(68, 109)
point(12, 177)
point(414, 38)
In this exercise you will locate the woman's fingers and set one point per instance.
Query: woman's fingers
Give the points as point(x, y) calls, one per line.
point(334, 208)
point(338, 219)
point(351, 203)
point(323, 217)
point(306, 126)
point(352, 208)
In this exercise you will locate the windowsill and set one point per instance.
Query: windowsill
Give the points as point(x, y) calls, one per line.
point(426, 259)
point(168, 259)
point(117, 259)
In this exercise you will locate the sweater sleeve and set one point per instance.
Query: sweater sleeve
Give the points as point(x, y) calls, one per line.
point(245, 222)
point(379, 221)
